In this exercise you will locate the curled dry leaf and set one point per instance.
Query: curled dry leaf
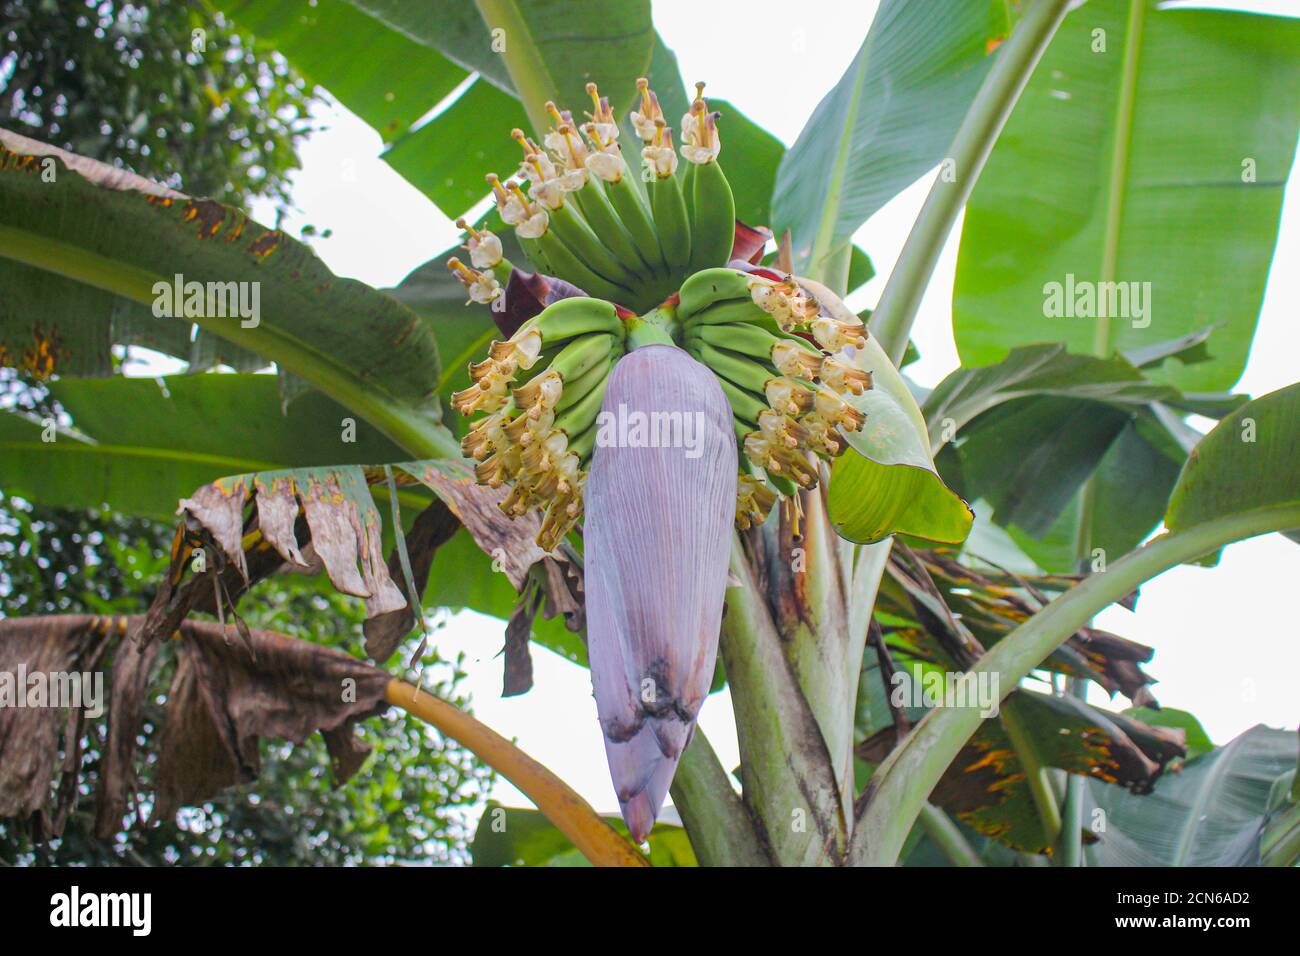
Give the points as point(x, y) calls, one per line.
point(230, 690)
point(32, 732)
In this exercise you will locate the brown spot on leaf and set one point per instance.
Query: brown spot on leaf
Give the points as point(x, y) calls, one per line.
point(208, 214)
point(266, 243)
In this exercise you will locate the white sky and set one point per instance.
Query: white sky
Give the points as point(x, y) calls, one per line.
point(1227, 640)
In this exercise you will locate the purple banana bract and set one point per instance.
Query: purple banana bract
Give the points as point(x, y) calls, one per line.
point(661, 499)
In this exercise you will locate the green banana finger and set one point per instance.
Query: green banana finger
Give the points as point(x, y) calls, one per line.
point(671, 222)
point(580, 387)
point(569, 318)
point(565, 265)
point(606, 223)
point(582, 241)
point(741, 428)
point(742, 337)
point(584, 443)
point(536, 258)
point(744, 405)
point(635, 216)
point(688, 195)
point(711, 286)
point(732, 312)
point(582, 354)
point(581, 416)
point(737, 369)
point(713, 216)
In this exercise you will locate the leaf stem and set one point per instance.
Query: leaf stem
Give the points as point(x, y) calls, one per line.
point(947, 836)
point(892, 321)
point(573, 816)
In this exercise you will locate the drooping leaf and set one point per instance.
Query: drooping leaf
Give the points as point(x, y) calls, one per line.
point(231, 687)
point(1035, 370)
point(1151, 146)
point(989, 605)
point(34, 783)
point(887, 121)
point(1197, 740)
point(1249, 461)
point(1209, 814)
point(116, 232)
point(986, 789)
point(1132, 481)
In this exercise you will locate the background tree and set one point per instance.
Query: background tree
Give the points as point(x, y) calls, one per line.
point(155, 86)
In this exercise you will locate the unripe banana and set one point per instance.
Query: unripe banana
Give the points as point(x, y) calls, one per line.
point(783, 485)
point(635, 216)
point(671, 222)
point(589, 248)
point(572, 317)
point(742, 337)
point(710, 287)
point(745, 406)
point(737, 369)
point(579, 388)
point(581, 355)
point(713, 216)
point(565, 265)
point(581, 416)
point(585, 442)
point(604, 220)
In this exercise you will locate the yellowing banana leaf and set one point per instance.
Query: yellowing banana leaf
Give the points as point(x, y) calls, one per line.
point(1130, 159)
point(986, 788)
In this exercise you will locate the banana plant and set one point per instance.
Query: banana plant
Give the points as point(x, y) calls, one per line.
point(672, 436)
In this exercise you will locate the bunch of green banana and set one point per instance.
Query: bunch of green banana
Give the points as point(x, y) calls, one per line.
point(788, 397)
point(663, 319)
point(542, 389)
point(586, 219)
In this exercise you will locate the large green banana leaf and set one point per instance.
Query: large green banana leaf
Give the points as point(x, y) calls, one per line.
point(1151, 146)
point(887, 121)
point(87, 223)
point(440, 45)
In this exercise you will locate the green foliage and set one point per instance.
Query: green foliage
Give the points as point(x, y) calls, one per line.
point(885, 123)
point(1150, 146)
point(132, 83)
